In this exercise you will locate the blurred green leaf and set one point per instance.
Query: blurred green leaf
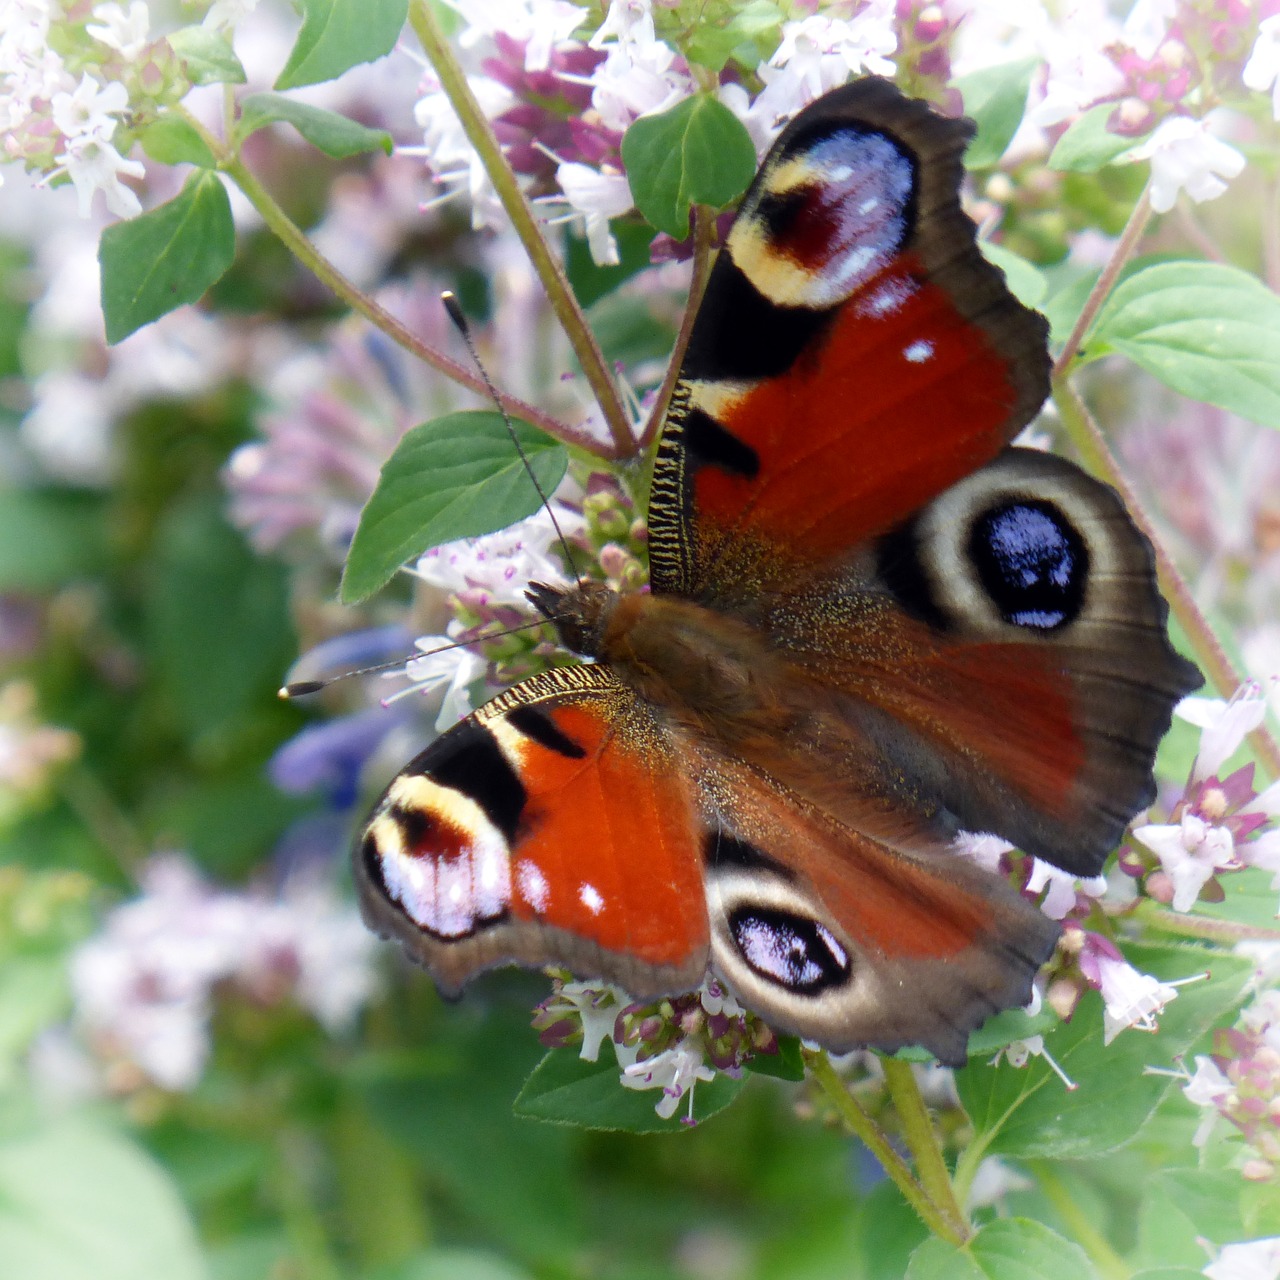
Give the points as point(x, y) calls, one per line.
point(1025, 280)
point(568, 1090)
point(1209, 331)
point(49, 538)
point(1182, 1206)
point(591, 282)
point(1012, 1249)
point(1027, 1111)
point(786, 1064)
point(749, 30)
point(155, 263)
point(995, 98)
point(1088, 144)
point(337, 35)
point(453, 1264)
point(332, 133)
point(33, 995)
point(207, 57)
point(698, 152)
point(171, 140)
point(454, 477)
point(79, 1202)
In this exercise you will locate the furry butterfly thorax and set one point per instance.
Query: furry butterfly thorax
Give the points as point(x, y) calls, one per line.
point(873, 624)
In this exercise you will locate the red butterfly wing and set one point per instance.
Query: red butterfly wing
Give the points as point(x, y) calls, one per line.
point(553, 825)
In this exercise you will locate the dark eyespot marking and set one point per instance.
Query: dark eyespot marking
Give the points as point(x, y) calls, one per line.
point(723, 850)
point(1032, 563)
point(467, 759)
point(545, 732)
point(711, 445)
point(902, 570)
point(796, 953)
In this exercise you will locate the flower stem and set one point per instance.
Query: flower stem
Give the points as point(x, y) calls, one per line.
point(1110, 1265)
point(1088, 438)
point(703, 229)
point(1129, 240)
point(922, 1140)
point(1188, 926)
point(475, 125)
point(864, 1128)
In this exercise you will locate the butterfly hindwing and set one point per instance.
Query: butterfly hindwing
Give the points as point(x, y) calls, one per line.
point(551, 826)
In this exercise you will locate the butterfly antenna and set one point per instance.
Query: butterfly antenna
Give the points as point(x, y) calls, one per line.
point(301, 688)
point(454, 310)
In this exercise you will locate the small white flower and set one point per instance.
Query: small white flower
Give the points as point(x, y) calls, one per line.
point(89, 110)
point(631, 21)
point(1190, 852)
point(1145, 28)
point(1222, 725)
point(453, 669)
point(1019, 1052)
point(597, 1005)
point(636, 79)
point(1262, 71)
point(1185, 156)
point(981, 847)
point(93, 164)
point(595, 197)
point(1248, 1260)
point(1062, 888)
point(225, 15)
point(541, 24)
point(675, 1071)
point(825, 52)
point(121, 29)
point(716, 998)
point(500, 564)
point(1131, 999)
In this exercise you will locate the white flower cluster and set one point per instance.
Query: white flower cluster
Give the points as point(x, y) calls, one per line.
point(144, 986)
point(43, 105)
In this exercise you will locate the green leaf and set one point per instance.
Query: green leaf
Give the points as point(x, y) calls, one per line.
point(699, 152)
point(741, 31)
point(1025, 280)
point(996, 99)
point(588, 1095)
point(155, 263)
point(1088, 145)
point(335, 135)
point(1006, 1027)
point(337, 35)
point(1209, 331)
point(1010, 1249)
point(454, 477)
point(171, 140)
point(1027, 1111)
point(49, 539)
point(33, 995)
point(206, 56)
point(452, 1264)
point(1182, 1206)
point(78, 1202)
point(786, 1064)
point(591, 282)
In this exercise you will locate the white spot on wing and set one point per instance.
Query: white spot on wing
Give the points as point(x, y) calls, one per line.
point(918, 352)
point(590, 898)
point(869, 204)
point(532, 885)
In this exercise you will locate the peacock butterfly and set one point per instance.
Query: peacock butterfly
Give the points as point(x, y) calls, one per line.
point(873, 625)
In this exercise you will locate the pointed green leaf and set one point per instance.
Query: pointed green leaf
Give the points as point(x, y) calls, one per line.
point(171, 140)
point(155, 263)
point(337, 35)
point(335, 135)
point(996, 100)
point(454, 477)
point(1027, 1111)
point(1088, 145)
point(1010, 1249)
point(589, 1095)
point(1209, 331)
point(699, 152)
point(1025, 280)
point(207, 57)
point(786, 1064)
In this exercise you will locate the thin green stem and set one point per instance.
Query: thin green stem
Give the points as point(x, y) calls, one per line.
point(703, 230)
point(922, 1140)
point(864, 1128)
point(296, 241)
point(968, 1164)
point(105, 820)
point(1088, 438)
point(1129, 240)
point(1186, 926)
point(1109, 1264)
point(475, 125)
point(302, 1221)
